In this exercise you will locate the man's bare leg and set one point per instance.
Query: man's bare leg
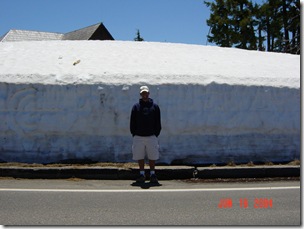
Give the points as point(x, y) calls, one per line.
point(141, 164)
point(152, 165)
point(153, 178)
point(142, 177)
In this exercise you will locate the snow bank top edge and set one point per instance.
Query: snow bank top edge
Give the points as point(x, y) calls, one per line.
point(211, 80)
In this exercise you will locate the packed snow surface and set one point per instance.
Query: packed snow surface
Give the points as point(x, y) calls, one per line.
point(120, 62)
point(72, 100)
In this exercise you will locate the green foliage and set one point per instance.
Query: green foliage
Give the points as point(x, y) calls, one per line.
point(239, 23)
point(138, 37)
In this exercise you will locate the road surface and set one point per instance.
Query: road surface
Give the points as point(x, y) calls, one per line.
point(121, 202)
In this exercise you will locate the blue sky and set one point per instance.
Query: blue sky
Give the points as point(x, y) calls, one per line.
point(177, 21)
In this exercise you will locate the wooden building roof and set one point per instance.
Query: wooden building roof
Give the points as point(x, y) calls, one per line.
point(93, 32)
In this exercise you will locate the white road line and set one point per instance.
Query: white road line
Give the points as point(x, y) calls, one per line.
point(146, 190)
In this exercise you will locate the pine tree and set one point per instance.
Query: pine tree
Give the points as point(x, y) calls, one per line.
point(239, 23)
point(244, 24)
point(232, 24)
point(258, 17)
point(280, 19)
point(293, 25)
point(275, 25)
point(219, 24)
point(138, 37)
point(285, 24)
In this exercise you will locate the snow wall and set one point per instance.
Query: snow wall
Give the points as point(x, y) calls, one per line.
point(202, 123)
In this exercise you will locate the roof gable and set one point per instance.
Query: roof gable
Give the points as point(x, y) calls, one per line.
point(101, 33)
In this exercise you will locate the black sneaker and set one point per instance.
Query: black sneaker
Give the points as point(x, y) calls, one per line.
point(153, 179)
point(141, 179)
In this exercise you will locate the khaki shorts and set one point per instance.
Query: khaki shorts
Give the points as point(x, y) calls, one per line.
point(145, 145)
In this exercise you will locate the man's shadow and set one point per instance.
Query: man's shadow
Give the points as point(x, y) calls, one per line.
point(145, 185)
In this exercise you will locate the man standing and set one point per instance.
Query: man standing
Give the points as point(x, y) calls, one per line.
point(145, 126)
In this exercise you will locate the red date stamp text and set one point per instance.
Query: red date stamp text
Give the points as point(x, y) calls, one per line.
point(246, 203)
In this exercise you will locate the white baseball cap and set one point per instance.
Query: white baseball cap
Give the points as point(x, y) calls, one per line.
point(144, 88)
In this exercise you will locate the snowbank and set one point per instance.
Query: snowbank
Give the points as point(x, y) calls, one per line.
point(217, 104)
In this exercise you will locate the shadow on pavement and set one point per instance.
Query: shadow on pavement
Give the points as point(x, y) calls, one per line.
point(145, 185)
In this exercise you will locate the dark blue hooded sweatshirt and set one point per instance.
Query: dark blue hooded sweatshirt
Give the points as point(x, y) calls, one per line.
point(145, 119)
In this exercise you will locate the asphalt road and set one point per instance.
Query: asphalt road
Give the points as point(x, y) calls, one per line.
point(106, 202)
